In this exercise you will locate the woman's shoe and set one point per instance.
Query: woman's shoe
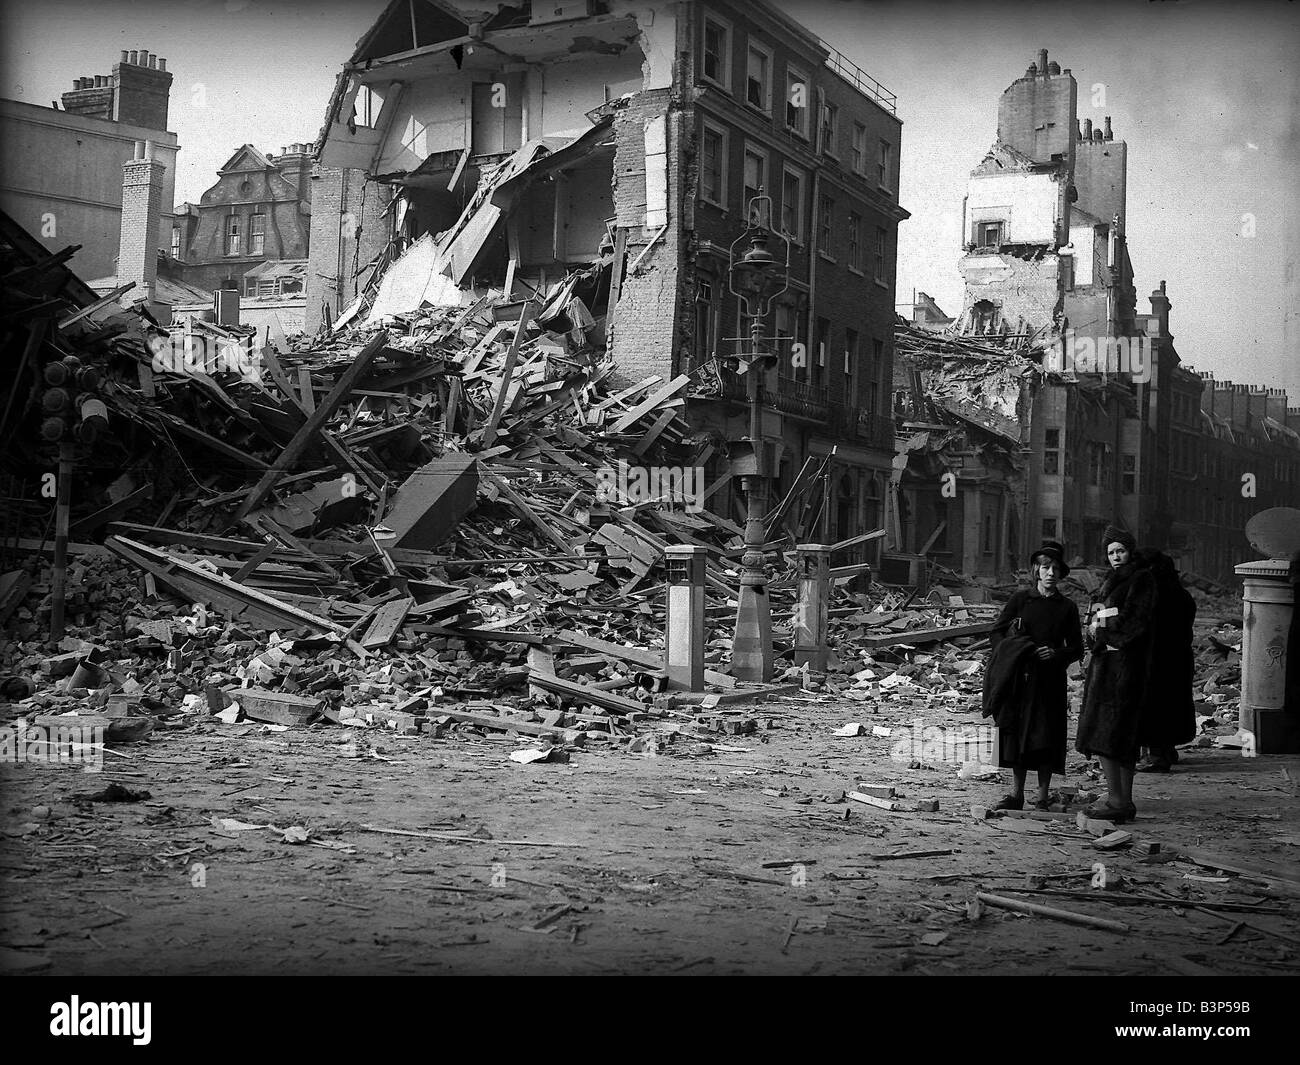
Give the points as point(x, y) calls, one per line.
point(1010, 802)
point(1042, 804)
point(1117, 815)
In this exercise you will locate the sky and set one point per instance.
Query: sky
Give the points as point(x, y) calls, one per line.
point(1206, 95)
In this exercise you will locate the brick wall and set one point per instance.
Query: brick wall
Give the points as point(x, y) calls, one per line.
point(647, 329)
point(342, 201)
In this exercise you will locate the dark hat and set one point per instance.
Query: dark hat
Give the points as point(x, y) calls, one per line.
point(1116, 535)
point(1054, 551)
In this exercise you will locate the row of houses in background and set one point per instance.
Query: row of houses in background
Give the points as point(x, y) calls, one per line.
point(613, 150)
point(98, 168)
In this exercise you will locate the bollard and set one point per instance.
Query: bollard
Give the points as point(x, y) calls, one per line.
point(814, 564)
point(1267, 602)
point(684, 619)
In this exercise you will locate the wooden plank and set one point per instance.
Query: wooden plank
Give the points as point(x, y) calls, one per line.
point(211, 442)
point(635, 655)
point(652, 434)
point(506, 724)
point(976, 628)
point(218, 590)
point(647, 405)
point(853, 541)
point(1004, 903)
point(615, 282)
point(342, 388)
point(244, 571)
point(272, 363)
point(307, 390)
point(507, 372)
point(384, 625)
point(525, 511)
point(587, 694)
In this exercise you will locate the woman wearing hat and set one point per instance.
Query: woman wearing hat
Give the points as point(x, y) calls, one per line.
point(1119, 631)
point(1034, 640)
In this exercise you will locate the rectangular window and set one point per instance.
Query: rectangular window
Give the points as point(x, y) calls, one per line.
point(758, 77)
point(176, 242)
point(713, 165)
point(1128, 480)
point(792, 204)
point(881, 244)
point(705, 317)
point(755, 175)
point(1052, 451)
point(858, 149)
point(988, 234)
point(987, 537)
point(257, 235)
point(830, 129)
point(850, 351)
point(717, 53)
point(232, 235)
point(883, 165)
point(797, 91)
point(825, 222)
point(855, 242)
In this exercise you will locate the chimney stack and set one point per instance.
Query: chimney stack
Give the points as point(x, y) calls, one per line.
point(1087, 129)
point(1042, 61)
point(1109, 135)
point(137, 256)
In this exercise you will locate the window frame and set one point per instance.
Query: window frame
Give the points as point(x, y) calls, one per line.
point(230, 236)
point(852, 343)
point(977, 238)
point(885, 165)
point(858, 149)
point(880, 254)
point(795, 236)
point(759, 153)
point(708, 127)
point(754, 45)
point(723, 83)
point(256, 240)
point(855, 244)
point(793, 71)
point(826, 226)
point(829, 128)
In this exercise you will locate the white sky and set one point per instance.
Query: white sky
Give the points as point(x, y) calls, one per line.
point(1206, 95)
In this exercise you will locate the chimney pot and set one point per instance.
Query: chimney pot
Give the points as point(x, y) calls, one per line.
point(144, 57)
point(1053, 68)
point(125, 54)
point(1042, 61)
point(1087, 129)
point(162, 64)
point(134, 59)
point(153, 62)
point(1109, 134)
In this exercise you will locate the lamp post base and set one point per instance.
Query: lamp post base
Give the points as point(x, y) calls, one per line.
point(751, 651)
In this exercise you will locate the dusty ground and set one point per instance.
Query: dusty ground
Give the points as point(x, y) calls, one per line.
point(633, 864)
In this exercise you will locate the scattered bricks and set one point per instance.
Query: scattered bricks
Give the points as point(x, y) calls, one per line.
point(880, 791)
point(1113, 840)
point(1033, 882)
point(1146, 847)
point(1096, 828)
point(982, 813)
point(926, 806)
point(277, 708)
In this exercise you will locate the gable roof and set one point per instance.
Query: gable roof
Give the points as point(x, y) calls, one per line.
point(246, 157)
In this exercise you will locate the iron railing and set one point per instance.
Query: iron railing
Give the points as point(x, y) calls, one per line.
point(860, 79)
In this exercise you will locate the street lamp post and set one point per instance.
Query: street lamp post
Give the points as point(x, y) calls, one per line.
point(757, 277)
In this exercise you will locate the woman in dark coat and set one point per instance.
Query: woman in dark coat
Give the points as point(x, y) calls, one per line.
point(1169, 708)
point(1036, 637)
point(1119, 673)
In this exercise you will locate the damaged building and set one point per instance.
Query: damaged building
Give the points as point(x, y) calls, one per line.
point(601, 159)
point(1112, 427)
